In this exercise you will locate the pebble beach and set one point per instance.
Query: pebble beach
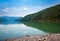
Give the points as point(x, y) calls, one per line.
point(47, 37)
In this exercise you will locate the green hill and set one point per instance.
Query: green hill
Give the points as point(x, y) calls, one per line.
point(48, 14)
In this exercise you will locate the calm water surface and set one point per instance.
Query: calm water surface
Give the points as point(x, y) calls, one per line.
point(17, 29)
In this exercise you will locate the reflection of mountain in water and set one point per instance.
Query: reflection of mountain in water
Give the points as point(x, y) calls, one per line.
point(47, 27)
point(10, 22)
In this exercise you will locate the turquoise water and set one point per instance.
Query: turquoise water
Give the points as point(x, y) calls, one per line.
point(17, 29)
point(14, 29)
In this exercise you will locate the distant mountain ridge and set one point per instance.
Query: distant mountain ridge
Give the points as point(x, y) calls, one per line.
point(8, 18)
point(51, 13)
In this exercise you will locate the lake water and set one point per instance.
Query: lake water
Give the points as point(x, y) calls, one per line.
point(15, 29)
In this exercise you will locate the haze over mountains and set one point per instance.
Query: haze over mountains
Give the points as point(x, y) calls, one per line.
point(8, 18)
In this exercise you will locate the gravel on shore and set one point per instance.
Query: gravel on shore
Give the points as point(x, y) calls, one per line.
point(48, 37)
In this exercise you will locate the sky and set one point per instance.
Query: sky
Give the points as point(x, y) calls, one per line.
point(24, 7)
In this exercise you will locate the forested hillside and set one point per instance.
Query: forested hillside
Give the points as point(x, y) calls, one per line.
point(49, 14)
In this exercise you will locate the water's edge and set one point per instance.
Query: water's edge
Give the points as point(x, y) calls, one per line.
point(47, 37)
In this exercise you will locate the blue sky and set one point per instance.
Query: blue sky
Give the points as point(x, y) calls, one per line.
point(24, 7)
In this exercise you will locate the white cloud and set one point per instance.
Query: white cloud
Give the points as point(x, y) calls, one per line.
point(25, 8)
point(20, 11)
point(14, 8)
point(5, 9)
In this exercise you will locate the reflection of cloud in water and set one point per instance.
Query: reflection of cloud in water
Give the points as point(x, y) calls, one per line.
point(5, 31)
point(25, 32)
point(16, 30)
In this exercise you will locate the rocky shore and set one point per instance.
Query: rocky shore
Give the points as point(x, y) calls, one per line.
point(48, 37)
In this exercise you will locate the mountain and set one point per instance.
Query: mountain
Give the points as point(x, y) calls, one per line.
point(48, 14)
point(8, 18)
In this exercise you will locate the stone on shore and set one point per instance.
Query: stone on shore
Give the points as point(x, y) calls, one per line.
point(48, 37)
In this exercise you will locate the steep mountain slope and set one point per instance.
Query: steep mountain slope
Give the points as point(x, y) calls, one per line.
point(51, 13)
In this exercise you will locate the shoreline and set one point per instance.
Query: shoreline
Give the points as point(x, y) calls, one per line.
point(47, 37)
